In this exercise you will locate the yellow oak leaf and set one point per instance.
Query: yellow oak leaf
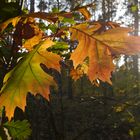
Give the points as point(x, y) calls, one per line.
point(28, 76)
point(101, 48)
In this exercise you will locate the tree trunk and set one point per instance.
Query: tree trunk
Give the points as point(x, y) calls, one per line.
point(69, 80)
point(32, 6)
point(135, 58)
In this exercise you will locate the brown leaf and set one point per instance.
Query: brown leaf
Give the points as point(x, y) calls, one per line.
point(28, 30)
point(85, 13)
point(83, 10)
point(51, 17)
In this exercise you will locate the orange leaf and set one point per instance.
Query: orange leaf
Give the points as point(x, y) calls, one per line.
point(119, 41)
point(101, 48)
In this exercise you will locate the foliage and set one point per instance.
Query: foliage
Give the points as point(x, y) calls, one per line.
point(18, 129)
point(99, 43)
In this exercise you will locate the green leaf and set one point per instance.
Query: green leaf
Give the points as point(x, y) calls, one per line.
point(134, 8)
point(42, 25)
point(18, 130)
point(55, 10)
point(68, 20)
point(59, 46)
point(53, 28)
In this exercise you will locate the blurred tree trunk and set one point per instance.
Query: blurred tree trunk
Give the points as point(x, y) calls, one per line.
point(106, 89)
point(69, 79)
point(107, 10)
point(135, 58)
point(103, 10)
point(72, 3)
point(39, 113)
point(69, 64)
point(32, 6)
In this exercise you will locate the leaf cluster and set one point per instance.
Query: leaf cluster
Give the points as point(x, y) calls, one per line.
point(98, 44)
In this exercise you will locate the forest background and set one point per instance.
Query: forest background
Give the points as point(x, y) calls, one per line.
point(80, 110)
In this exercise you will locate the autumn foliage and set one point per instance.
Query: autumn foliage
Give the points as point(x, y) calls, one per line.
point(99, 44)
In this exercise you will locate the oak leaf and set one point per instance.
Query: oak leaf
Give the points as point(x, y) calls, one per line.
point(101, 48)
point(28, 76)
